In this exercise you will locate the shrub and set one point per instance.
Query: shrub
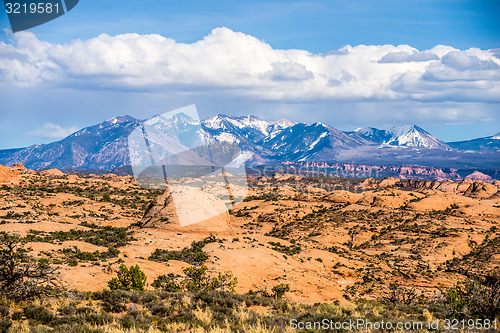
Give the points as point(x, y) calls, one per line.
point(39, 314)
point(128, 279)
point(289, 250)
point(401, 296)
point(18, 315)
point(473, 298)
point(98, 235)
point(21, 275)
point(280, 289)
point(166, 283)
point(197, 279)
point(193, 255)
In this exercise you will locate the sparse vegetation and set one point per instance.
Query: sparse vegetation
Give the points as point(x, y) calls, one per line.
point(132, 278)
point(107, 236)
point(22, 276)
point(289, 250)
point(373, 244)
point(193, 254)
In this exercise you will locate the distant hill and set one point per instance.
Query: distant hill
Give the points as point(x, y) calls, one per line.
point(489, 143)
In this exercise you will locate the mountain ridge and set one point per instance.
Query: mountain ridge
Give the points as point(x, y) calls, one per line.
point(104, 146)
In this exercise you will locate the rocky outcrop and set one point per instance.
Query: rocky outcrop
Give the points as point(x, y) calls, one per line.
point(467, 187)
point(18, 166)
point(341, 196)
point(7, 176)
point(160, 212)
point(388, 181)
point(52, 172)
point(191, 210)
point(481, 189)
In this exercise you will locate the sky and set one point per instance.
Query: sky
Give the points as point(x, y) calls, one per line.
point(348, 64)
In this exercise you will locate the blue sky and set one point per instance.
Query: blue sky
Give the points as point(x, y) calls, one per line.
point(316, 26)
point(72, 98)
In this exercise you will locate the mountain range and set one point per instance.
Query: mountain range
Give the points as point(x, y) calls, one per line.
point(105, 146)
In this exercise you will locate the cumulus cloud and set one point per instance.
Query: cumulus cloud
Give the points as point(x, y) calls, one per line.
point(289, 71)
point(395, 57)
point(242, 64)
point(53, 131)
point(466, 62)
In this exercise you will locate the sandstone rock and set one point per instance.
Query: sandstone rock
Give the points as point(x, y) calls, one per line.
point(191, 210)
point(388, 181)
point(72, 178)
point(480, 189)
point(369, 182)
point(303, 197)
point(342, 196)
point(7, 176)
point(52, 172)
point(448, 186)
point(375, 200)
point(18, 166)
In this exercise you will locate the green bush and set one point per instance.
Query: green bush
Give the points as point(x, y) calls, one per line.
point(280, 289)
point(473, 298)
point(128, 279)
point(107, 236)
point(289, 250)
point(197, 279)
point(193, 255)
point(39, 314)
point(166, 283)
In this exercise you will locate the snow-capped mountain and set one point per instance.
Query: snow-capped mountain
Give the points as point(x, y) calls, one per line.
point(106, 145)
point(102, 146)
point(414, 136)
point(249, 127)
point(301, 142)
point(372, 134)
point(404, 135)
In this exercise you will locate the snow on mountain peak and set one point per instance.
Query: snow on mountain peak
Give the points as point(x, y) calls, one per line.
point(154, 120)
point(254, 122)
point(414, 136)
point(182, 118)
point(120, 119)
point(216, 122)
point(282, 123)
point(496, 136)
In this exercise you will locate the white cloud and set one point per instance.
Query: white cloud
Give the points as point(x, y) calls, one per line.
point(289, 71)
point(395, 57)
point(243, 65)
point(53, 131)
point(467, 62)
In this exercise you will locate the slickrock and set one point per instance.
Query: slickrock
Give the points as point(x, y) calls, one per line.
point(52, 172)
point(7, 176)
point(481, 189)
point(167, 213)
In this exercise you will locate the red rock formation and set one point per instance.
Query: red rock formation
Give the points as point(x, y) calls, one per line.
point(7, 176)
point(476, 175)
